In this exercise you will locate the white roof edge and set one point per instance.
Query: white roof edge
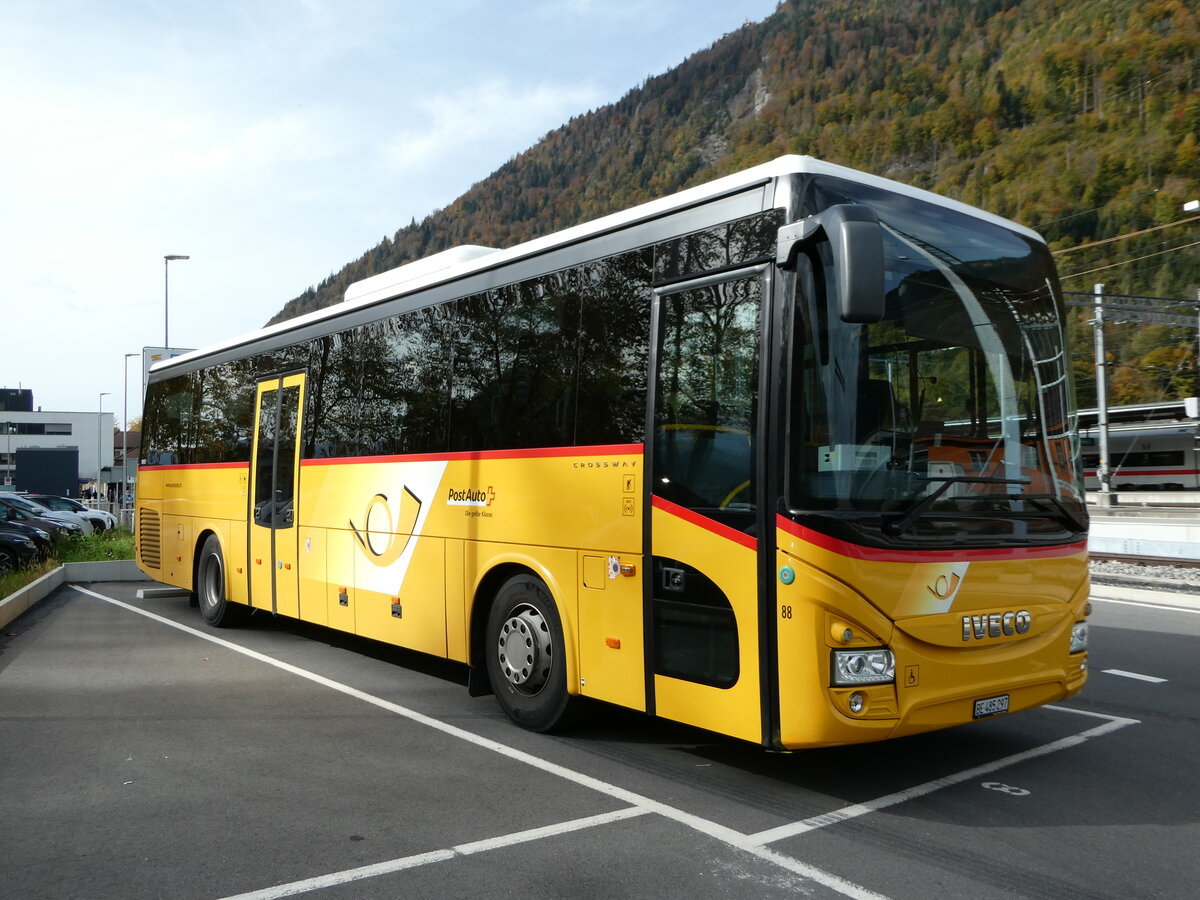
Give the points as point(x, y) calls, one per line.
point(385, 284)
point(445, 266)
point(818, 167)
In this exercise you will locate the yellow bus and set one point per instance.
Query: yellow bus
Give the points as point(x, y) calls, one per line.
point(790, 456)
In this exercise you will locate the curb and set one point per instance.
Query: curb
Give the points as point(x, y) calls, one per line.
point(32, 594)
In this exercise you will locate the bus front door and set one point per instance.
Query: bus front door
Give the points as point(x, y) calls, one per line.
point(702, 587)
point(274, 473)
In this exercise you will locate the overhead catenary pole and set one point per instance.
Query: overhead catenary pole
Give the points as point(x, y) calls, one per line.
point(1193, 206)
point(1102, 471)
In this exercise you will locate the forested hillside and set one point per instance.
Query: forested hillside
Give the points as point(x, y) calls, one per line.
point(1080, 118)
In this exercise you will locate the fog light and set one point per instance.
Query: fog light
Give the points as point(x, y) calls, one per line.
point(1083, 664)
point(872, 666)
point(856, 702)
point(1079, 637)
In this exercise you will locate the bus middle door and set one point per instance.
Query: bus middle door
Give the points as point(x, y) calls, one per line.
point(274, 472)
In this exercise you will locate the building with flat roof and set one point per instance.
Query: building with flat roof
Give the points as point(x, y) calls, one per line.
point(26, 430)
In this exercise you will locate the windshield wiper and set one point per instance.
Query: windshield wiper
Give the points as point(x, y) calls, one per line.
point(1065, 514)
point(902, 521)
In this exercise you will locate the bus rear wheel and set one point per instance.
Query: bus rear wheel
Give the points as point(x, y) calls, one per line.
point(524, 648)
point(215, 607)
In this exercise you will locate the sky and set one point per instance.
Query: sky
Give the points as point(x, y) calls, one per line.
point(271, 141)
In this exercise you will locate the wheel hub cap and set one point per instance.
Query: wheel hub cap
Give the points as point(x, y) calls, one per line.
point(525, 650)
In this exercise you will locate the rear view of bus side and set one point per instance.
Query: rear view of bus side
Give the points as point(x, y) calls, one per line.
point(791, 456)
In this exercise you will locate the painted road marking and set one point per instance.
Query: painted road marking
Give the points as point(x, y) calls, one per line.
point(824, 820)
point(643, 804)
point(1153, 679)
point(755, 844)
point(334, 879)
point(1181, 609)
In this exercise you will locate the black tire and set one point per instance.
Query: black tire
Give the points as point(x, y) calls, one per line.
point(217, 610)
point(8, 562)
point(524, 649)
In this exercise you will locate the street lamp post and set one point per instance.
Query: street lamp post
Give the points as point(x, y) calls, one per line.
point(125, 437)
point(166, 294)
point(99, 433)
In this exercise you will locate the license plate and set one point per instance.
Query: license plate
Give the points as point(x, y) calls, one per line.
point(991, 706)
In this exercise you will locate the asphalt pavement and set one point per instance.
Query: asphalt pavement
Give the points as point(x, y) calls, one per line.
point(145, 755)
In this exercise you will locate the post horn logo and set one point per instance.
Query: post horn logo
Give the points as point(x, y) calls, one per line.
point(945, 586)
point(382, 537)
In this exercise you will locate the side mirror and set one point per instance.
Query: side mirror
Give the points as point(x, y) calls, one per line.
point(856, 239)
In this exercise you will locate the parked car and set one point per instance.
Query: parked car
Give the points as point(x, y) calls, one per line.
point(40, 537)
point(100, 519)
point(29, 507)
point(16, 551)
point(59, 528)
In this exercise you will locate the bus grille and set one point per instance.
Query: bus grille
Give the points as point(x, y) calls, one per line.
point(149, 538)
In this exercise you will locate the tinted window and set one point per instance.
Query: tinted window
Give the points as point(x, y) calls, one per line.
point(613, 348)
point(719, 247)
point(200, 417)
point(708, 397)
point(381, 388)
point(514, 364)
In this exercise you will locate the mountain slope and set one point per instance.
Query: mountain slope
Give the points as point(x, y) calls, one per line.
point(1081, 119)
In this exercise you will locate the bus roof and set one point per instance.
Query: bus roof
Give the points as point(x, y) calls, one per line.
point(467, 259)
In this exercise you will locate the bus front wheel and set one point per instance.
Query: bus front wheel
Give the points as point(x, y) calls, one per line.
point(524, 650)
point(215, 607)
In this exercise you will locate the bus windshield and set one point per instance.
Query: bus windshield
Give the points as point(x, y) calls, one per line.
point(950, 422)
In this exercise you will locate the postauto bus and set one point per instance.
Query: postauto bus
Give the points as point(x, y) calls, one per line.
point(790, 456)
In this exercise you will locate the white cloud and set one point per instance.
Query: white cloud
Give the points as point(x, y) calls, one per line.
point(495, 112)
point(272, 141)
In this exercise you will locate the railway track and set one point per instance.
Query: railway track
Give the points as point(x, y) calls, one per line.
point(1144, 574)
point(1167, 562)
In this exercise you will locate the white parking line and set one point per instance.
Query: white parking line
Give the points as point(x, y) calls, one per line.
point(422, 859)
point(858, 809)
point(1190, 606)
point(1153, 679)
point(755, 844)
point(642, 804)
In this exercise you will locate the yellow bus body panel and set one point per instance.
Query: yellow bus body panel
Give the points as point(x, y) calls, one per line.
point(396, 549)
point(734, 710)
point(611, 632)
point(918, 610)
point(182, 505)
point(399, 550)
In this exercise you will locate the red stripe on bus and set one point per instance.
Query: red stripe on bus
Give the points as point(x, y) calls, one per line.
point(220, 465)
point(875, 554)
point(1140, 472)
point(532, 453)
point(724, 531)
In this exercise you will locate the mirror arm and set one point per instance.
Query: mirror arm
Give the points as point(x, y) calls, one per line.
point(856, 239)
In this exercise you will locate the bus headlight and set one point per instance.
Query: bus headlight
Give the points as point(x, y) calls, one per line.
point(870, 666)
point(1079, 633)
